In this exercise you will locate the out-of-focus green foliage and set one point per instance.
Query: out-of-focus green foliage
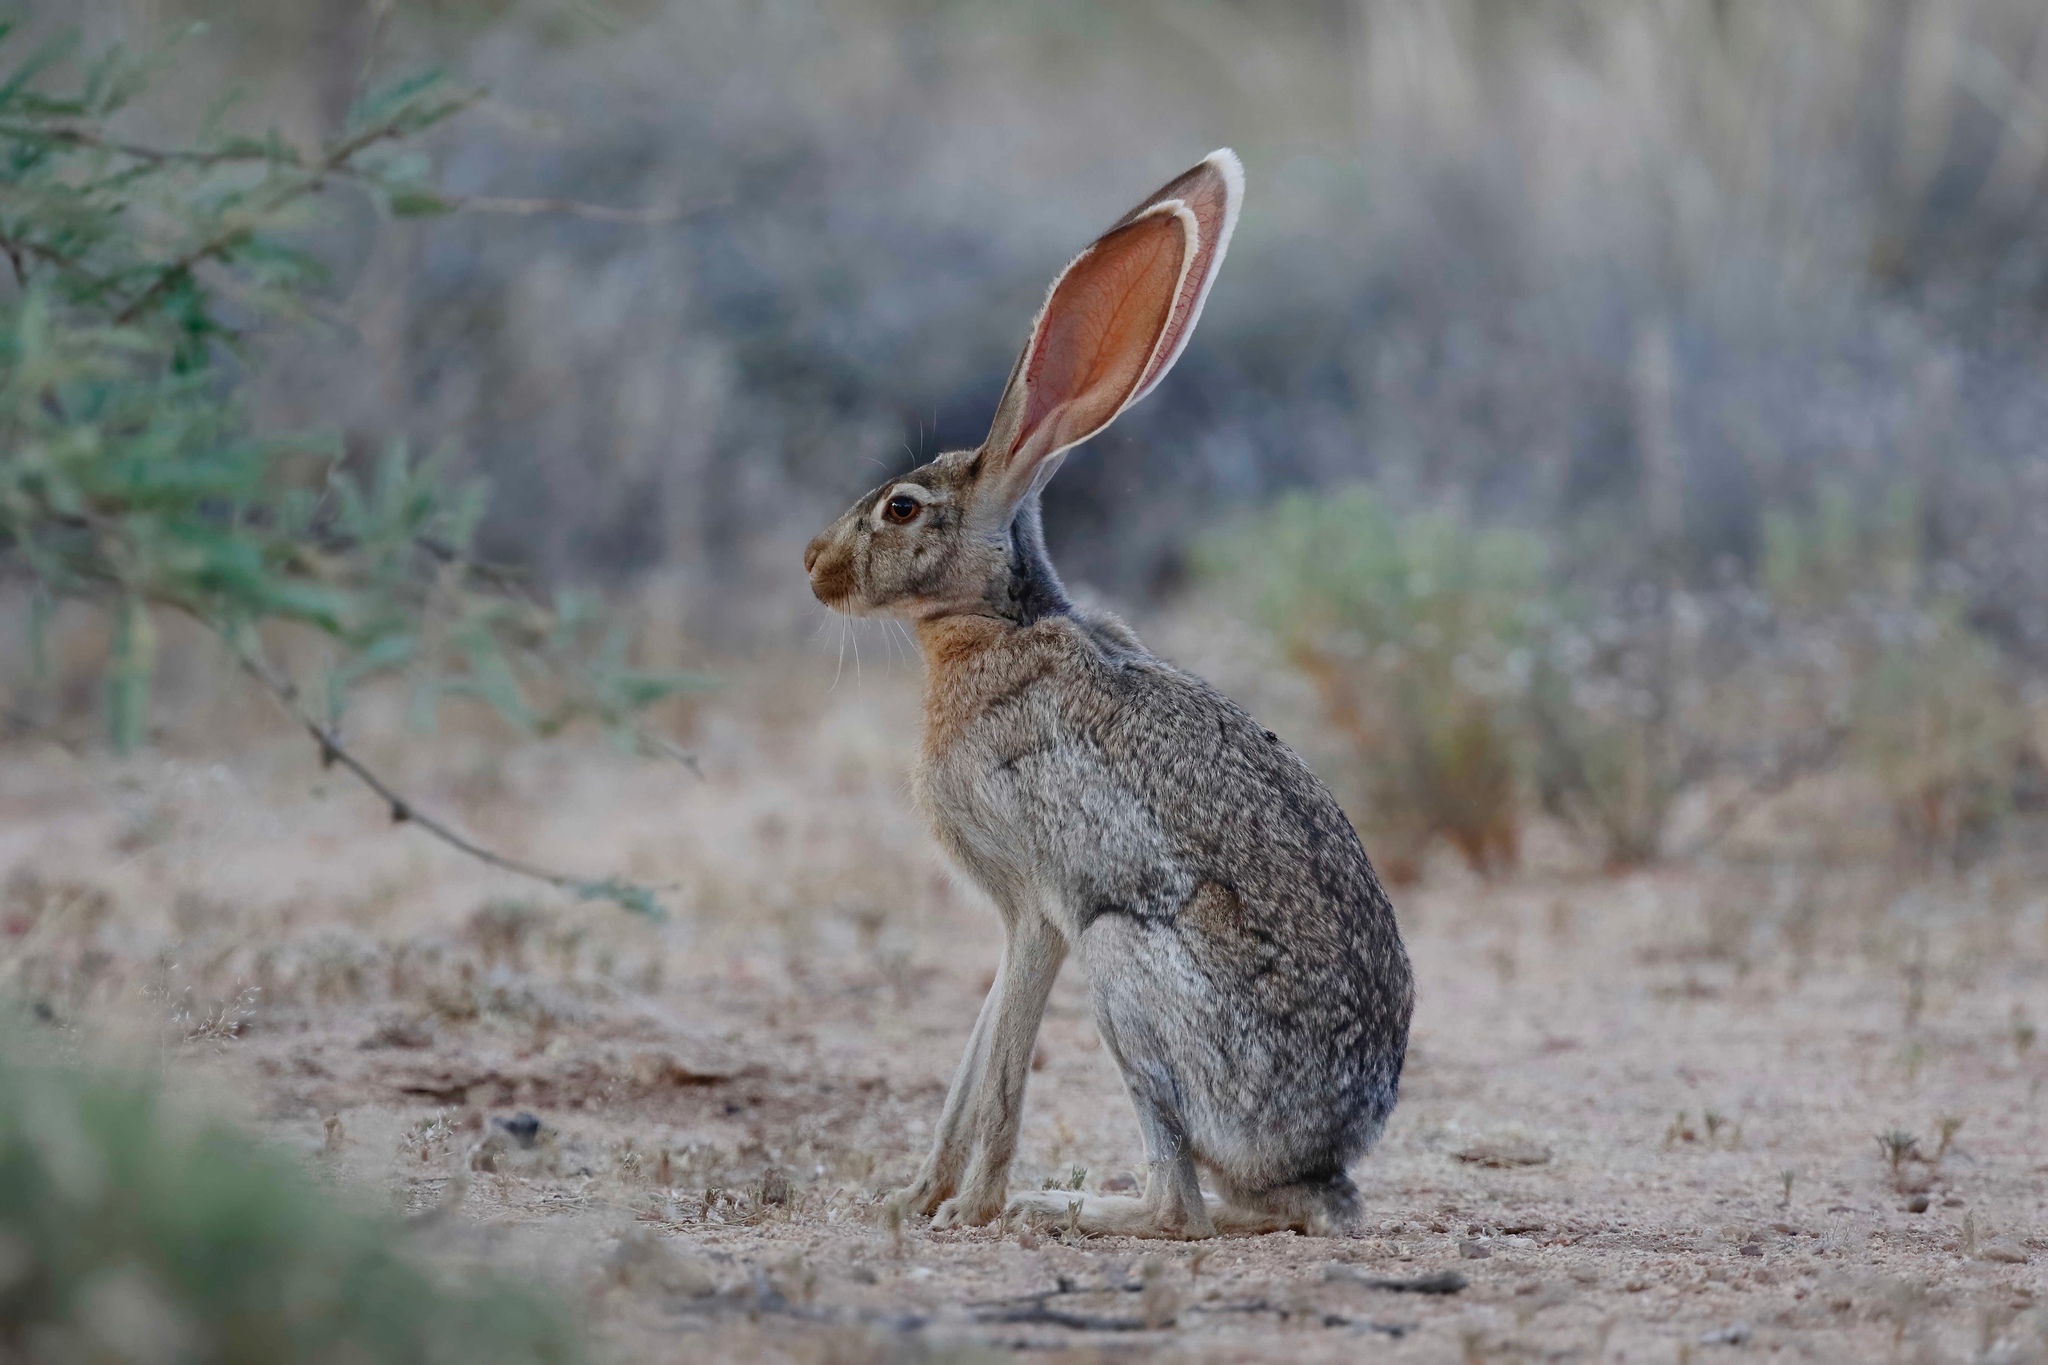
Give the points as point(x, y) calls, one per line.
point(1929, 706)
point(1466, 679)
point(132, 1232)
point(1620, 717)
point(130, 474)
point(1938, 721)
point(1817, 560)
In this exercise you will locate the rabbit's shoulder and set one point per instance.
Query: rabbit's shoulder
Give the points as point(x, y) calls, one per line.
point(1082, 688)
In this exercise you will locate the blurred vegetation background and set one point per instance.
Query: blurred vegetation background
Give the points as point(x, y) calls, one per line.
point(1691, 351)
point(1617, 415)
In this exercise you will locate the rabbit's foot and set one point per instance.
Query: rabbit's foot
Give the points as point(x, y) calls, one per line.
point(923, 1196)
point(969, 1209)
point(1323, 1207)
point(1234, 1221)
point(1112, 1215)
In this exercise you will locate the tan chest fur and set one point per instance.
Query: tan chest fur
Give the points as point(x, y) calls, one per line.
point(973, 665)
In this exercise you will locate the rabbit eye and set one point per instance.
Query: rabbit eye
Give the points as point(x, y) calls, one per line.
point(902, 509)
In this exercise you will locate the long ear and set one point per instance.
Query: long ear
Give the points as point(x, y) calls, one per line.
point(1113, 324)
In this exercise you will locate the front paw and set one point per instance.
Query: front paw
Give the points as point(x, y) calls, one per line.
point(922, 1196)
point(969, 1211)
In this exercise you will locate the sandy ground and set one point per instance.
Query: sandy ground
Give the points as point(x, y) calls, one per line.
point(1640, 1120)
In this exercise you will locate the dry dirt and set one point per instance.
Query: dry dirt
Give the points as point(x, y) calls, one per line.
point(1640, 1119)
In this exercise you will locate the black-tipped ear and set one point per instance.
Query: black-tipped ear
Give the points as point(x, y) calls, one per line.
point(1113, 323)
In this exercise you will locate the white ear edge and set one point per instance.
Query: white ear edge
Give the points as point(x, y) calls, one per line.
point(1191, 232)
point(1232, 172)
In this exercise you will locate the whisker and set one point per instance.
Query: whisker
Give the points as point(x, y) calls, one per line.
point(841, 669)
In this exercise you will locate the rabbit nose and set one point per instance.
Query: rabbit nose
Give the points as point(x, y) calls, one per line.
point(812, 551)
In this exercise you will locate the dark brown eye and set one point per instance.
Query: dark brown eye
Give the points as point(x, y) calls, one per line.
point(902, 509)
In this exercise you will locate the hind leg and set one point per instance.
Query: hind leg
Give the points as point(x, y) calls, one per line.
point(1172, 1205)
point(1322, 1206)
point(1315, 1208)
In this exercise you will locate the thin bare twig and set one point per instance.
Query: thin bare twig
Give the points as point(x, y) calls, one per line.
point(87, 137)
point(1439, 1282)
point(335, 163)
point(1040, 1315)
point(669, 749)
point(17, 249)
point(1065, 1286)
point(380, 13)
point(403, 811)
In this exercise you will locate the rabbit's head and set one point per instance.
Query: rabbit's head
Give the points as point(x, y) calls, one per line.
point(960, 534)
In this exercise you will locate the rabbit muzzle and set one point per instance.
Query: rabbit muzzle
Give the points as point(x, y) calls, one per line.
point(828, 560)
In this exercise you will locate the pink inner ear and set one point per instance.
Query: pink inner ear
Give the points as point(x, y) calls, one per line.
point(1206, 196)
point(1100, 331)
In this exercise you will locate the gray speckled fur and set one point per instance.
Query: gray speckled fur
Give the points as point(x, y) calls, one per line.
point(1246, 969)
point(1242, 952)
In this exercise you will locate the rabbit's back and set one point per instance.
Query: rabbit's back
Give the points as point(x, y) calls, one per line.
point(1208, 880)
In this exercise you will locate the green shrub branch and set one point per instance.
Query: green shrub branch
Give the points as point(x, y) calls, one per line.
point(145, 279)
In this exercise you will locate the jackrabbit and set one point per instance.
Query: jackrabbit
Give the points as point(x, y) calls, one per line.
point(1247, 972)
